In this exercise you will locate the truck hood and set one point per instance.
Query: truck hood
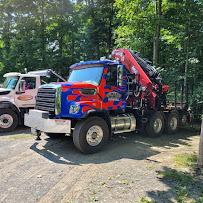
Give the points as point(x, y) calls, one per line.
point(78, 95)
point(4, 91)
point(78, 85)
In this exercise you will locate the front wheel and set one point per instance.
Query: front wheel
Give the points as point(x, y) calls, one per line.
point(155, 125)
point(8, 120)
point(90, 135)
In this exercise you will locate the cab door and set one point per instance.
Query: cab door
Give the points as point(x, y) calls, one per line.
point(115, 90)
point(26, 98)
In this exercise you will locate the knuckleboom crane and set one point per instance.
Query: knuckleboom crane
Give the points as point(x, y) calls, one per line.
point(145, 76)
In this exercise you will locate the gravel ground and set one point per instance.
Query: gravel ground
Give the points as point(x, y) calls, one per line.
point(52, 170)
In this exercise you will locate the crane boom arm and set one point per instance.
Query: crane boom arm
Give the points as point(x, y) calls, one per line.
point(144, 74)
point(126, 57)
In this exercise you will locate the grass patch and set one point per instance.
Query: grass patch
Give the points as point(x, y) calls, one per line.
point(185, 186)
point(185, 160)
point(146, 200)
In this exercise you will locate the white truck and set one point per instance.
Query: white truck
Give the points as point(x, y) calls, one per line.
point(17, 95)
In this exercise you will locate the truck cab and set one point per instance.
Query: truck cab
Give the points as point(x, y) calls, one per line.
point(91, 86)
point(20, 89)
point(17, 96)
point(96, 91)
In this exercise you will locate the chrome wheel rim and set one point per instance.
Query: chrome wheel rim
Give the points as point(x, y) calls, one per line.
point(157, 125)
point(94, 135)
point(173, 123)
point(6, 121)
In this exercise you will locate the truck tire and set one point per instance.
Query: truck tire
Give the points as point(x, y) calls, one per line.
point(155, 125)
point(90, 135)
point(8, 120)
point(172, 122)
point(183, 120)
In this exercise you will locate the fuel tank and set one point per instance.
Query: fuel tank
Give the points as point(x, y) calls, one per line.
point(123, 123)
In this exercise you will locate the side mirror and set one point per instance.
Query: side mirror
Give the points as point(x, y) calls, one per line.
point(22, 86)
point(120, 70)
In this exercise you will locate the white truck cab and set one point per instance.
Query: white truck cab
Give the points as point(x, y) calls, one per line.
point(17, 96)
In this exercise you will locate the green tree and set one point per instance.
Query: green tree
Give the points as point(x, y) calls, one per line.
point(173, 28)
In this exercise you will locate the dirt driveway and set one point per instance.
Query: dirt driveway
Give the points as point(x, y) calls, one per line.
point(52, 170)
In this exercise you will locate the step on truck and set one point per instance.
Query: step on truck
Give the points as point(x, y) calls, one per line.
point(17, 95)
point(106, 97)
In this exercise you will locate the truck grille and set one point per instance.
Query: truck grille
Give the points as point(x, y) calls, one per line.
point(45, 99)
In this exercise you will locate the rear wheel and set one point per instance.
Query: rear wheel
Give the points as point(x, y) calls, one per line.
point(8, 120)
point(173, 122)
point(183, 119)
point(90, 135)
point(156, 124)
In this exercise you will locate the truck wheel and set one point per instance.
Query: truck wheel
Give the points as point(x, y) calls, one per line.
point(155, 125)
point(90, 135)
point(173, 122)
point(8, 120)
point(183, 120)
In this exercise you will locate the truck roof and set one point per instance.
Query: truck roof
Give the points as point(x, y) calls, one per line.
point(12, 74)
point(96, 62)
point(38, 73)
point(15, 74)
point(31, 73)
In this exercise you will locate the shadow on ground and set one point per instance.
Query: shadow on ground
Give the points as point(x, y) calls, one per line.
point(130, 146)
point(19, 130)
point(183, 187)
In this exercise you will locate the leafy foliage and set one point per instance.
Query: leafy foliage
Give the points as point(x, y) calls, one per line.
point(39, 34)
point(53, 34)
point(181, 37)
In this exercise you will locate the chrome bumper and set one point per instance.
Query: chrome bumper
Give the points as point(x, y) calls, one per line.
point(39, 121)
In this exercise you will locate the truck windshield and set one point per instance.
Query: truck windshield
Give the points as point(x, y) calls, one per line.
point(10, 82)
point(90, 75)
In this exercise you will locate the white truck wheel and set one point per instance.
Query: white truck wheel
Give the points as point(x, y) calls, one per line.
point(8, 120)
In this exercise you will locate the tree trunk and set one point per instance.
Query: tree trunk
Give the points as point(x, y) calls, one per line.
point(43, 39)
point(200, 157)
point(187, 49)
point(185, 72)
point(110, 34)
point(61, 33)
point(158, 7)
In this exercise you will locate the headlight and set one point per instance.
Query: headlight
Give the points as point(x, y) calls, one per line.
point(58, 100)
point(74, 108)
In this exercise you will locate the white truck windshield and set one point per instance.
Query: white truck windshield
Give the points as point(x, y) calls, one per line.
point(10, 82)
point(90, 75)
